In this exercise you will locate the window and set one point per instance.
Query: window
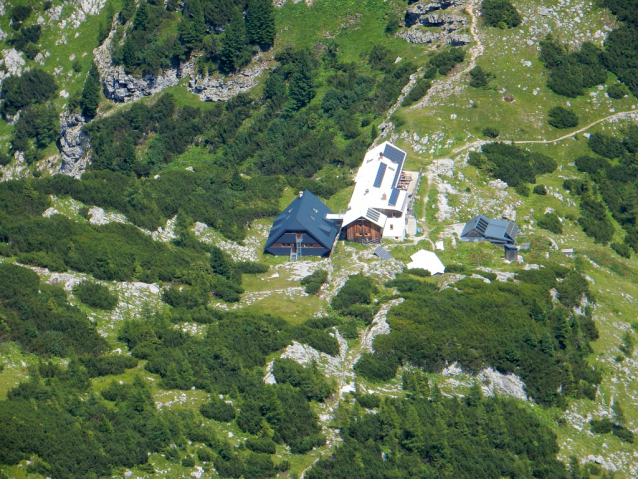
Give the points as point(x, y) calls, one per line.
point(391, 227)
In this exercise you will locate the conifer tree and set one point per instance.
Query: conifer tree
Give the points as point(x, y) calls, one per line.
point(235, 51)
point(302, 89)
point(90, 99)
point(260, 23)
point(128, 10)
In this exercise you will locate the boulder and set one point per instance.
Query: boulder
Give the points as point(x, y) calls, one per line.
point(74, 144)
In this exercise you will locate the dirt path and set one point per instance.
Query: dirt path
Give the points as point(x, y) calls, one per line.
point(445, 87)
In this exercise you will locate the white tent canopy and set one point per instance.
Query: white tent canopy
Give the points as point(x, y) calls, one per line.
point(427, 260)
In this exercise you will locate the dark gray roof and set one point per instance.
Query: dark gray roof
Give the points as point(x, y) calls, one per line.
point(381, 253)
point(380, 174)
point(394, 196)
point(493, 230)
point(305, 213)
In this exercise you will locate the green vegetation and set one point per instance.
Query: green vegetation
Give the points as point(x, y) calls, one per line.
point(490, 132)
point(418, 91)
point(38, 317)
point(500, 14)
point(551, 222)
point(560, 117)
point(572, 72)
point(479, 77)
point(91, 92)
point(445, 61)
point(617, 91)
point(355, 298)
point(315, 281)
point(33, 87)
point(421, 437)
point(511, 164)
point(509, 327)
point(95, 295)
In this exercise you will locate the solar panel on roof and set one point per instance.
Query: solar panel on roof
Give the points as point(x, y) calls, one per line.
point(393, 154)
point(394, 196)
point(381, 253)
point(380, 173)
point(373, 214)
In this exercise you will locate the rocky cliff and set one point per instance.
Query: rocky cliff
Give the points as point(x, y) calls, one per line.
point(434, 15)
point(74, 144)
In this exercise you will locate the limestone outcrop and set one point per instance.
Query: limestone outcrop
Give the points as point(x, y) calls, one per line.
point(74, 144)
point(220, 88)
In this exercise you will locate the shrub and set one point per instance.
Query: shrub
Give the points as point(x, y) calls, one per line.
point(423, 273)
point(479, 77)
point(264, 445)
point(393, 25)
point(540, 190)
point(96, 295)
point(369, 401)
point(601, 426)
point(551, 222)
point(490, 132)
point(20, 13)
point(324, 322)
point(522, 189)
point(218, 410)
point(605, 145)
point(418, 91)
point(618, 91)
point(560, 117)
point(188, 461)
point(447, 60)
point(35, 86)
point(205, 455)
point(623, 434)
point(622, 249)
point(500, 14)
point(314, 281)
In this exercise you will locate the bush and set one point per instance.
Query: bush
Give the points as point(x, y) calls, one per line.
point(423, 273)
point(264, 445)
point(358, 290)
point(560, 117)
point(540, 190)
point(96, 295)
point(369, 401)
point(205, 455)
point(500, 14)
point(522, 189)
point(33, 87)
point(490, 132)
point(479, 77)
point(621, 249)
point(218, 410)
point(324, 322)
point(618, 91)
point(551, 222)
point(188, 461)
point(601, 426)
point(623, 434)
point(447, 60)
point(605, 145)
point(314, 281)
point(418, 91)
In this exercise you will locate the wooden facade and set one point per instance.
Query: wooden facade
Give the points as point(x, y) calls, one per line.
point(363, 231)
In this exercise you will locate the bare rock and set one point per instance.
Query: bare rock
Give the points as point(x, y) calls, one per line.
point(218, 88)
point(13, 61)
point(74, 144)
point(416, 35)
point(458, 39)
point(415, 12)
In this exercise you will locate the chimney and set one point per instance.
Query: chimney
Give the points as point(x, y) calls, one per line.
point(384, 197)
point(300, 194)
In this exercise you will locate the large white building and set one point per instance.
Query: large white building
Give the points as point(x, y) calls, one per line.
point(380, 199)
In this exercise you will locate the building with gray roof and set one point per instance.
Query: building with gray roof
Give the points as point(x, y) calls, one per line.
point(303, 229)
point(481, 228)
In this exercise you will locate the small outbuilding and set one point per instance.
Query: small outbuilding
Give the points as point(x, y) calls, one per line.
point(481, 228)
point(427, 260)
point(303, 229)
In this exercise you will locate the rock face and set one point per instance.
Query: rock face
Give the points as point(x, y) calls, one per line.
point(74, 144)
point(415, 12)
point(432, 15)
point(415, 35)
point(217, 88)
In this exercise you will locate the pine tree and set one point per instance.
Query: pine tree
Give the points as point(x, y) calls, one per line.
point(302, 89)
point(91, 92)
point(193, 28)
point(140, 22)
point(171, 380)
point(128, 10)
point(235, 51)
point(260, 23)
point(187, 377)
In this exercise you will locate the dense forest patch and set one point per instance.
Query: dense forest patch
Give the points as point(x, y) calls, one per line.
point(442, 437)
point(510, 327)
point(511, 164)
point(38, 317)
